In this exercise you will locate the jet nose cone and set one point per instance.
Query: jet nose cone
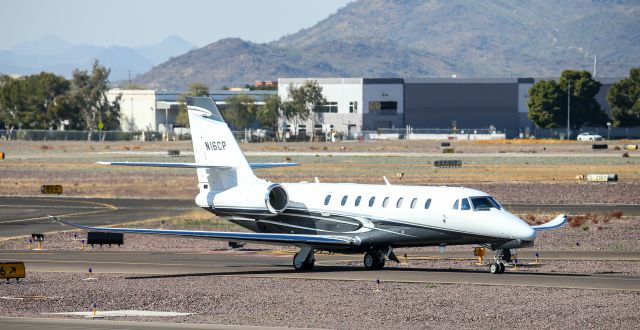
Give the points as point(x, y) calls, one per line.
point(527, 233)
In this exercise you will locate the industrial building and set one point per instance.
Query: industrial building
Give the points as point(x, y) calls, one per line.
point(471, 104)
point(150, 110)
point(355, 105)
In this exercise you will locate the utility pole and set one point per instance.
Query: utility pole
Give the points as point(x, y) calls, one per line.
point(568, 109)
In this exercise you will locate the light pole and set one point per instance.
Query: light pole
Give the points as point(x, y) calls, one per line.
point(568, 109)
point(608, 130)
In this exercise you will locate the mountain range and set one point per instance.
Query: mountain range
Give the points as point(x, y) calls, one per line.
point(426, 38)
point(54, 54)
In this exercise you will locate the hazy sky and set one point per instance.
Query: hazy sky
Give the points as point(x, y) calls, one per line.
point(142, 22)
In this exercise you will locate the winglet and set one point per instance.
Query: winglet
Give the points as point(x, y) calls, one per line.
point(558, 222)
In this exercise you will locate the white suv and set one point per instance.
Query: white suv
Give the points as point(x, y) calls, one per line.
point(589, 137)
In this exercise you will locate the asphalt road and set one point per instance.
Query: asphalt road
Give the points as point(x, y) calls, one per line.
point(21, 216)
point(26, 215)
point(260, 264)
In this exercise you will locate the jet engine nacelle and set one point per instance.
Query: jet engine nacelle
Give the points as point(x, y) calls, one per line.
point(261, 199)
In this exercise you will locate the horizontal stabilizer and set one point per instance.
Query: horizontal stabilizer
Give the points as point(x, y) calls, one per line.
point(270, 165)
point(558, 222)
point(176, 165)
point(229, 236)
point(194, 165)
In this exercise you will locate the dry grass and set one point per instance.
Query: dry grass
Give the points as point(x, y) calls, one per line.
point(583, 220)
point(31, 164)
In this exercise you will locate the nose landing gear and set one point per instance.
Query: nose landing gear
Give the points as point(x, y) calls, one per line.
point(497, 267)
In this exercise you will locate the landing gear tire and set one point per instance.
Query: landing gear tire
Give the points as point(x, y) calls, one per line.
point(496, 268)
point(373, 260)
point(303, 266)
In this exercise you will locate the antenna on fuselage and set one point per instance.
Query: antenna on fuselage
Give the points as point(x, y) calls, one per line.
point(316, 179)
point(386, 181)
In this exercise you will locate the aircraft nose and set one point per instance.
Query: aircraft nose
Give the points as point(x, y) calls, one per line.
point(521, 230)
point(526, 233)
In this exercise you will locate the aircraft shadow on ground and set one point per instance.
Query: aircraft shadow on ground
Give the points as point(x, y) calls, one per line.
point(336, 269)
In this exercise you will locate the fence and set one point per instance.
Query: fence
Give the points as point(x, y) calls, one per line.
point(260, 135)
point(51, 135)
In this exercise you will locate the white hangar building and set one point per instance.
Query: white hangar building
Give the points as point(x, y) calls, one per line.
point(353, 104)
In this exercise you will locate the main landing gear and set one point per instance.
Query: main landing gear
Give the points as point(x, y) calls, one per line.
point(376, 259)
point(304, 260)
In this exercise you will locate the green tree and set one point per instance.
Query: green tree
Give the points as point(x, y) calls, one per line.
point(87, 105)
point(239, 111)
point(31, 101)
point(269, 112)
point(195, 89)
point(548, 101)
point(303, 102)
point(545, 106)
point(11, 101)
point(624, 98)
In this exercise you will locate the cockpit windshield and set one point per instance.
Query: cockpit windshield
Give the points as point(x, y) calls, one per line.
point(484, 203)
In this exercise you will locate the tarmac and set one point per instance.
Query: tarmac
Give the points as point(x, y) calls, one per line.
point(265, 264)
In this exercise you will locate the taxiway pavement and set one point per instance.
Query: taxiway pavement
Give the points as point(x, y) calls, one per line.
point(22, 216)
point(139, 265)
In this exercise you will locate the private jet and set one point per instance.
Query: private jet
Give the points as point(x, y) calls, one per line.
point(334, 217)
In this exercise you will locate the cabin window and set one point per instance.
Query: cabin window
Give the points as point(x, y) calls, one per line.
point(358, 200)
point(371, 201)
point(465, 205)
point(344, 200)
point(327, 199)
point(427, 203)
point(414, 202)
point(399, 202)
point(385, 202)
point(455, 205)
point(484, 203)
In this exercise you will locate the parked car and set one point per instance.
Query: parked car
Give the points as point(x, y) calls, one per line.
point(589, 137)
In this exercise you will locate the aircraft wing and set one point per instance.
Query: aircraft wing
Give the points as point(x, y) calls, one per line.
point(194, 165)
point(558, 222)
point(229, 236)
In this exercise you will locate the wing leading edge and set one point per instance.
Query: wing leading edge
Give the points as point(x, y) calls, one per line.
point(229, 236)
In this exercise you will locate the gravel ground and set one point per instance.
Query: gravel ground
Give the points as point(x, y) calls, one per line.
point(564, 193)
point(324, 304)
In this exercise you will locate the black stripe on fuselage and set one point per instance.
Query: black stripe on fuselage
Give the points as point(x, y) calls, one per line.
point(396, 233)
